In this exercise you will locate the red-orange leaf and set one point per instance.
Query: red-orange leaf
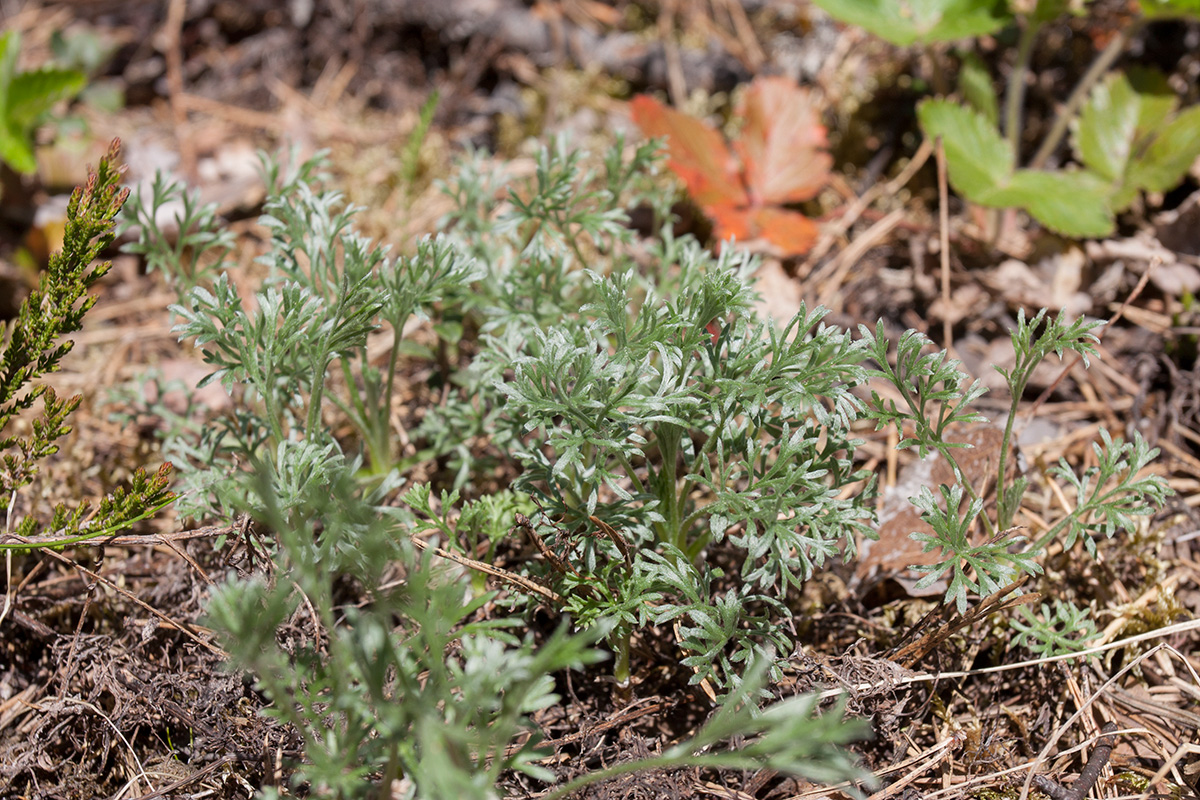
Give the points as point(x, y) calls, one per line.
point(790, 231)
point(695, 152)
point(781, 145)
point(732, 222)
point(779, 160)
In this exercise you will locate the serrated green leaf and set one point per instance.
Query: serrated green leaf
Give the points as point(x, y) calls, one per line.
point(979, 162)
point(1170, 155)
point(904, 22)
point(1069, 203)
point(1125, 135)
point(31, 94)
point(1165, 9)
point(1157, 100)
point(978, 158)
point(1103, 134)
point(23, 98)
point(975, 83)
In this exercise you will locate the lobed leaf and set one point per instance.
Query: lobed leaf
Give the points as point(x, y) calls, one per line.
point(696, 152)
point(905, 22)
point(782, 142)
point(981, 168)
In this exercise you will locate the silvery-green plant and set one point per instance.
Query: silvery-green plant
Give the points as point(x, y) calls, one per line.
point(182, 254)
point(1066, 629)
point(417, 693)
point(652, 418)
point(305, 329)
point(642, 395)
point(681, 439)
point(416, 687)
point(412, 686)
point(935, 394)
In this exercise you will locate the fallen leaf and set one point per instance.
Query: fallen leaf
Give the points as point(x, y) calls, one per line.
point(782, 143)
point(777, 159)
point(696, 152)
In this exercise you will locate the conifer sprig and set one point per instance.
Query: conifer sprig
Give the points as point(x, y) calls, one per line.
point(36, 346)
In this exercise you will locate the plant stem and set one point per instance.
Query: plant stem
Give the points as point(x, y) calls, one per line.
point(668, 436)
point(1014, 99)
point(1097, 69)
point(1002, 467)
point(621, 664)
point(356, 410)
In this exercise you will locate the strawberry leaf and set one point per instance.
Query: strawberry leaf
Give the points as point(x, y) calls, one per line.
point(1173, 150)
point(1104, 133)
point(781, 143)
point(975, 84)
point(980, 166)
point(1070, 203)
point(1128, 134)
point(978, 158)
point(1165, 9)
point(695, 152)
point(32, 94)
point(790, 231)
point(904, 22)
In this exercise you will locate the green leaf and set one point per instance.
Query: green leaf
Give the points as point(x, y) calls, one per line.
point(10, 45)
point(24, 98)
point(1104, 133)
point(1126, 134)
point(1173, 150)
point(11, 150)
point(1157, 99)
point(15, 150)
point(1068, 203)
point(978, 158)
point(1165, 9)
point(32, 94)
point(1050, 10)
point(975, 84)
point(904, 22)
point(980, 168)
